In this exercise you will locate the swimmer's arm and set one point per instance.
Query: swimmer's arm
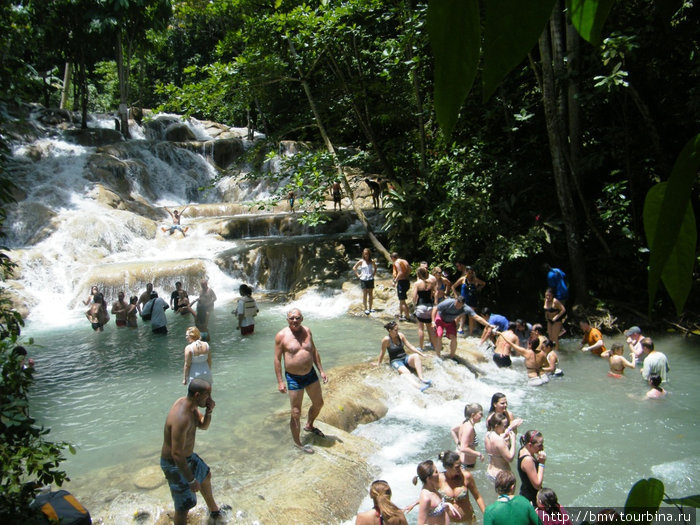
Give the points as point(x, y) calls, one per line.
point(169, 212)
point(519, 349)
point(456, 285)
point(317, 358)
point(278, 364)
point(183, 210)
point(627, 364)
point(385, 344)
point(597, 344)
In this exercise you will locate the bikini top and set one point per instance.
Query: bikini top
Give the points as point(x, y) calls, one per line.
point(439, 510)
point(379, 515)
point(551, 309)
point(451, 499)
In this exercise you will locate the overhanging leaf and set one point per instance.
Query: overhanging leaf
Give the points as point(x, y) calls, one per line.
point(512, 29)
point(664, 228)
point(677, 274)
point(455, 36)
point(588, 17)
point(644, 499)
point(688, 501)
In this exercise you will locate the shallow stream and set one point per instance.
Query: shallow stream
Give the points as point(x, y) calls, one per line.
point(108, 394)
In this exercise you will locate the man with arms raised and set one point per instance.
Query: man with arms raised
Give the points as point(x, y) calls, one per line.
point(185, 471)
point(295, 346)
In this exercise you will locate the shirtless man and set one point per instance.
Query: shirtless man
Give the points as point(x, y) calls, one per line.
point(176, 215)
point(144, 297)
point(205, 305)
point(185, 471)
point(296, 347)
point(535, 359)
point(119, 310)
point(96, 314)
point(502, 353)
point(401, 271)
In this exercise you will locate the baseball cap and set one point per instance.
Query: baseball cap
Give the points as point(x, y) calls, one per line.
point(633, 330)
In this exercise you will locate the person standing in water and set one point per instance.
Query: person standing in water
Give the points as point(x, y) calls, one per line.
point(205, 306)
point(464, 436)
point(185, 471)
point(119, 310)
point(619, 363)
point(366, 269)
point(246, 310)
point(295, 346)
point(143, 299)
point(456, 484)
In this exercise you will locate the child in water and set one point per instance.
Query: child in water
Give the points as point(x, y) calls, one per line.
point(619, 363)
point(656, 391)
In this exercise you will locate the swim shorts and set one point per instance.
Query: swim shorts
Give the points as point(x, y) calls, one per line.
point(247, 330)
point(160, 330)
point(538, 381)
point(120, 323)
point(443, 327)
point(96, 326)
point(295, 382)
point(402, 287)
point(502, 361)
point(398, 363)
point(183, 497)
point(367, 285)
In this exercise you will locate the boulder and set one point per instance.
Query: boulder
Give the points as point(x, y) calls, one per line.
point(179, 132)
point(110, 171)
point(155, 129)
point(227, 151)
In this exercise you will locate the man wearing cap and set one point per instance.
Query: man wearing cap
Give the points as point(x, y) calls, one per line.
point(634, 340)
point(444, 316)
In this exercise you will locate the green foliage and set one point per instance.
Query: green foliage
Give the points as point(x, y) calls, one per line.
point(671, 230)
point(644, 499)
point(588, 17)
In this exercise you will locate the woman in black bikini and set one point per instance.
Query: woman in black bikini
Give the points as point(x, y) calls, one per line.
point(555, 313)
point(455, 484)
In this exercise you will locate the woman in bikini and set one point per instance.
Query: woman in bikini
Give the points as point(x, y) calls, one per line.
point(442, 285)
point(423, 298)
point(432, 510)
point(465, 436)
point(619, 363)
point(535, 361)
point(499, 443)
point(384, 511)
point(455, 484)
point(555, 313)
point(197, 357)
point(396, 344)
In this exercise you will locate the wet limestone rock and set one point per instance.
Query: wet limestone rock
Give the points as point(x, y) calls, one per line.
point(149, 478)
point(93, 136)
point(179, 132)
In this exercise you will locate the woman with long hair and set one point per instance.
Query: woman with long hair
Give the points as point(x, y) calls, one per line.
point(197, 357)
point(384, 511)
point(455, 485)
point(499, 405)
point(365, 269)
point(499, 443)
point(432, 509)
point(531, 460)
point(549, 510)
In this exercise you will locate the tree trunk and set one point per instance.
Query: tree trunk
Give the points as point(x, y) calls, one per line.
point(339, 169)
point(123, 82)
point(554, 120)
point(65, 90)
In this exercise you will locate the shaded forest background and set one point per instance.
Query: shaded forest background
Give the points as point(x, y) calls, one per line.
point(485, 195)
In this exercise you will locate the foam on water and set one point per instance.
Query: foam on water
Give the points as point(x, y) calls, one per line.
point(316, 304)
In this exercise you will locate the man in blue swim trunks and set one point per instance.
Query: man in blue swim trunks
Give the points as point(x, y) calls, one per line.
point(185, 471)
point(295, 346)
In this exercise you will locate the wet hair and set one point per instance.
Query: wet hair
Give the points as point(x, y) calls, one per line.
point(535, 344)
point(178, 283)
point(485, 312)
point(19, 350)
point(94, 288)
point(495, 420)
point(538, 328)
point(133, 299)
point(548, 343)
point(548, 500)
point(149, 285)
point(449, 458)
point(154, 294)
point(424, 471)
point(505, 482)
point(520, 321)
point(512, 326)
point(647, 342)
point(394, 255)
point(550, 291)
point(197, 386)
point(471, 409)
point(246, 290)
point(98, 298)
point(422, 273)
point(528, 437)
point(380, 492)
point(615, 347)
point(390, 325)
point(120, 294)
point(495, 399)
point(655, 381)
point(194, 331)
